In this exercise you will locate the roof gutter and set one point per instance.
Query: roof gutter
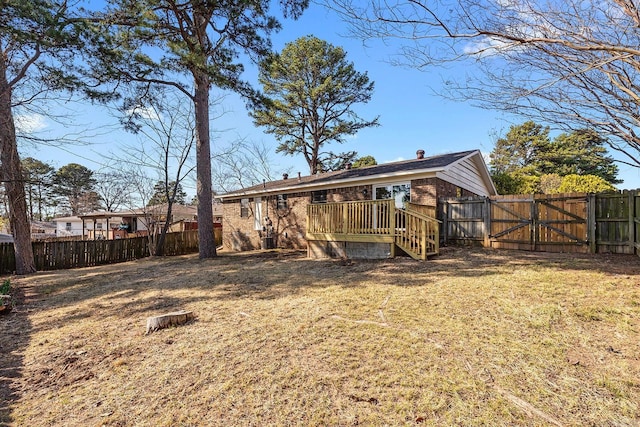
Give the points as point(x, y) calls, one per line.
point(332, 183)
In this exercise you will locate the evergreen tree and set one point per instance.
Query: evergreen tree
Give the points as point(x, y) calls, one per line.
point(160, 42)
point(38, 179)
point(39, 44)
point(526, 161)
point(310, 91)
point(74, 185)
point(163, 192)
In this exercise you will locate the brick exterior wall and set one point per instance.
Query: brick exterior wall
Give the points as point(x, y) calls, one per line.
point(426, 191)
point(349, 194)
point(290, 224)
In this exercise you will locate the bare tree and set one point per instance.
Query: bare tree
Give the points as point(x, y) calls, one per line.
point(113, 189)
point(243, 164)
point(571, 63)
point(165, 124)
point(191, 46)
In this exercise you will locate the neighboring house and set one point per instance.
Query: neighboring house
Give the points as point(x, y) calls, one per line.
point(69, 226)
point(277, 212)
point(43, 230)
point(138, 222)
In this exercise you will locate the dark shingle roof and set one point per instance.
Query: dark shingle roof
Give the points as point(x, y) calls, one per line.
point(433, 162)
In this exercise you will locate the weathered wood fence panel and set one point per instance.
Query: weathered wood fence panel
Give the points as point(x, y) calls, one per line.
point(571, 222)
point(52, 255)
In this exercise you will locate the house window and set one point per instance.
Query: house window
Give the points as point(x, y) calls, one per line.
point(244, 208)
point(67, 226)
point(400, 192)
point(319, 196)
point(99, 226)
point(282, 201)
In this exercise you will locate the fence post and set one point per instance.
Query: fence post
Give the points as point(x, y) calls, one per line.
point(486, 213)
point(632, 231)
point(592, 222)
point(445, 222)
point(533, 234)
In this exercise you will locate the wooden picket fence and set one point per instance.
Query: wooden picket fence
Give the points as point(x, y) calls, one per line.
point(571, 222)
point(57, 255)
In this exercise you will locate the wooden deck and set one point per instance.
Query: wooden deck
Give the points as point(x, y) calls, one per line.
point(374, 221)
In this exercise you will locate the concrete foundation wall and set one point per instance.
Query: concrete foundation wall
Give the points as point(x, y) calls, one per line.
point(353, 250)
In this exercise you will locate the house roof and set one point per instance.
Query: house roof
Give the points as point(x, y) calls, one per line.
point(176, 209)
point(402, 169)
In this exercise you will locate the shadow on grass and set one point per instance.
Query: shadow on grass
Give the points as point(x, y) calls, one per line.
point(276, 273)
point(15, 332)
point(122, 290)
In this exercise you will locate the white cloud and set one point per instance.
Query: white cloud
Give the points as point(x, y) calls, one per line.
point(145, 113)
point(30, 123)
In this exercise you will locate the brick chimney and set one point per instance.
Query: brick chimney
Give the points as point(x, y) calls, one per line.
point(420, 154)
point(285, 176)
point(347, 166)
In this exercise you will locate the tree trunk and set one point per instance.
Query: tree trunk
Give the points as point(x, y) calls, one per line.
point(207, 244)
point(11, 174)
point(165, 228)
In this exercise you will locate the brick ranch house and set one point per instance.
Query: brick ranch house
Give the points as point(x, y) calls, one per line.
point(275, 213)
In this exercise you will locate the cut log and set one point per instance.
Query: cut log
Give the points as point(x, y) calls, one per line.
point(166, 320)
point(5, 304)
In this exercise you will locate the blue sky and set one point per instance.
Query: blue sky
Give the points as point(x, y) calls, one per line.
point(412, 117)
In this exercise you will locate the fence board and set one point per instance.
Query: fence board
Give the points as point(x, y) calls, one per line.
point(56, 255)
point(572, 222)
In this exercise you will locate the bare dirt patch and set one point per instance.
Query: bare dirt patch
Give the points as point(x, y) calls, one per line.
point(472, 337)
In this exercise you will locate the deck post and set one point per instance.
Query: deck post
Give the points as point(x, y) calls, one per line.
point(391, 208)
point(423, 238)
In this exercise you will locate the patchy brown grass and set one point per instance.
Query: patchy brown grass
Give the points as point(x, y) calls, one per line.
point(471, 337)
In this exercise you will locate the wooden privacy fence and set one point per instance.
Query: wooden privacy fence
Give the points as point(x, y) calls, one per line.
point(57, 255)
point(571, 222)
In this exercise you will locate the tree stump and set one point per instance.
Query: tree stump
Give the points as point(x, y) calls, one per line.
point(166, 320)
point(5, 304)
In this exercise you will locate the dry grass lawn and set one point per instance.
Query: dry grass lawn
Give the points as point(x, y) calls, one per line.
point(472, 337)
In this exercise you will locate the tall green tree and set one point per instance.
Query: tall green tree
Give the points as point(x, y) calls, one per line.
point(527, 161)
point(74, 184)
point(364, 161)
point(310, 91)
point(581, 152)
point(38, 179)
point(519, 150)
point(163, 192)
point(39, 45)
point(192, 45)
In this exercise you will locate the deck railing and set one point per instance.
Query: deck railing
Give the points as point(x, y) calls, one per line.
point(373, 217)
point(418, 235)
point(372, 220)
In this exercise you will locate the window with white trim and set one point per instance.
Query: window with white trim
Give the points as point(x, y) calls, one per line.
point(244, 208)
point(400, 192)
point(282, 201)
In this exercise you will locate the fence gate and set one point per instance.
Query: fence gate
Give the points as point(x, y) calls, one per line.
point(512, 222)
point(552, 223)
point(560, 223)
